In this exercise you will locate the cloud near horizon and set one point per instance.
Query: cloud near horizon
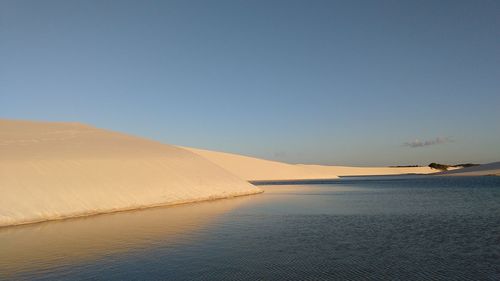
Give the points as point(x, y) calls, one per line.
point(419, 143)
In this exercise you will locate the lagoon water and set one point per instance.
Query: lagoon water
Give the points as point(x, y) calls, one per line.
point(429, 228)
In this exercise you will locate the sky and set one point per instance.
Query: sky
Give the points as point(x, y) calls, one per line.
point(326, 82)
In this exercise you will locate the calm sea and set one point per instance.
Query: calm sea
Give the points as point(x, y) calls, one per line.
point(445, 228)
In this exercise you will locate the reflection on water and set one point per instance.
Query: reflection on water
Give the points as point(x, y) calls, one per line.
point(53, 244)
point(411, 229)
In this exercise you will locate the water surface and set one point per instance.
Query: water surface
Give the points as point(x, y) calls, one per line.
point(444, 228)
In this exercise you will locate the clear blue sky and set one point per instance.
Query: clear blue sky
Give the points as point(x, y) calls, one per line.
point(331, 82)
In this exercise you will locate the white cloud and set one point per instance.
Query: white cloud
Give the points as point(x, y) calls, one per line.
point(419, 143)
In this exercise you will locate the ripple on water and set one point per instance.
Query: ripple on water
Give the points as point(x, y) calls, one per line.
point(430, 229)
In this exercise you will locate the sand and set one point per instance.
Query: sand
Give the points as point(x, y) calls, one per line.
point(51, 170)
point(59, 170)
point(254, 169)
point(491, 169)
point(344, 171)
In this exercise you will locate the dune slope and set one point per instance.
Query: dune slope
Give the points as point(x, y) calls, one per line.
point(255, 169)
point(481, 170)
point(58, 170)
point(344, 171)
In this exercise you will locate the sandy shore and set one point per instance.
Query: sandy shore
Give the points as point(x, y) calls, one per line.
point(59, 170)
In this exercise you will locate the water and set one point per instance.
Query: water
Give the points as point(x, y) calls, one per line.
point(378, 229)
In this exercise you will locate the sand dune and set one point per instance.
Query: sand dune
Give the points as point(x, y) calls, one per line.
point(482, 170)
point(58, 170)
point(343, 171)
point(254, 169)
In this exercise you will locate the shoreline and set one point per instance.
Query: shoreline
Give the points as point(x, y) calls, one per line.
point(246, 193)
point(51, 171)
point(131, 209)
point(364, 177)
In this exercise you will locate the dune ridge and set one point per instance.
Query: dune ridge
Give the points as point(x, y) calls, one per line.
point(254, 169)
point(51, 170)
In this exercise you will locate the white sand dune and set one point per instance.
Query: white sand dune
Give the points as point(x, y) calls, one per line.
point(59, 170)
point(344, 171)
point(482, 170)
point(254, 169)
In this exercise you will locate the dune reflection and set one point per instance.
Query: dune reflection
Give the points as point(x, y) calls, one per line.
point(45, 245)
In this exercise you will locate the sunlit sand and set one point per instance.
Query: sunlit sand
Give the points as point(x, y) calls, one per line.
point(52, 170)
point(59, 170)
point(255, 169)
point(491, 169)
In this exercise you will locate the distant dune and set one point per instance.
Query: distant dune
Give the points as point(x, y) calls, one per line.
point(481, 170)
point(344, 171)
point(254, 169)
point(59, 170)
